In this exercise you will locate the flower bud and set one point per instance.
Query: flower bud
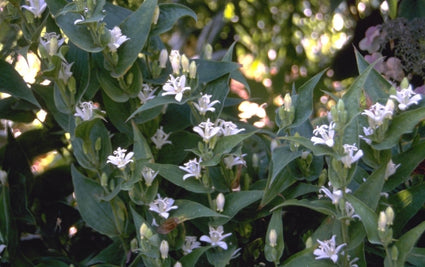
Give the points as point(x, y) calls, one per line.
point(163, 249)
point(155, 15)
point(382, 222)
point(394, 253)
point(129, 78)
point(53, 47)
point(72, 85)
point(208, 50)
point(287, 102)
point(104, 180)
point(185, 64)
point(273, 144)
point(404, 83)
point(220, 202)
point(163, 56)
point(98, 144)
point(175, 59)
point(133, 244)
point(144, 230)
point(178, 264)
point(192, 70)
point(272, 238)
point(389, 213)
point(3, 177)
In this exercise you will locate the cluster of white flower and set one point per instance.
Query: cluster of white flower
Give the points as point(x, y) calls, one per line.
point(326, 133)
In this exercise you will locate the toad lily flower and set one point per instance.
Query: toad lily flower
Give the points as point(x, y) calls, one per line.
point(149, 175)
point(216, 237)
point(193, 169)
point(328, 250)
point(86, 111)
point(228, 127)
point(233, 160)
point(160, 138)
point(120, 159)
point(51, 42)
point(406, 97)
point(36, 7)
point(377, 113)
point(117, 39)
point(207, 130)
point(147, 93)
point(327, 135)
point(190, 243)
point(349, 157)
point(204, 104)
point(176, 86)
point(162, 206)
point(335, 195)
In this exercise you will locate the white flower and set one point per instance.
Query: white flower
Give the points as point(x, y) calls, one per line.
point(51, 42)
point(391, 168)
point(327, 250)
point(2, 248)
point(349, 210)
point(65, 72)
point(175, 59)
point(36, 7)
point(207, 130)
point(85, 111)
point(406, 97)
point(272, 238)
point(216, 237)
point(160, 138)
point(193, 169)
point(327, 134)
point(220, 201)
point(190, 243)
point(163, 249)
point(228, 127)
point(117, 39)
point(162, 206)
point(233, 160)
point(176, 86)
point(3, 177)
point(146, 93)
point(149, 175)
point(335, 195)
point(349, 157)
point(204, 104)
point(377, 113)
point(120, 159)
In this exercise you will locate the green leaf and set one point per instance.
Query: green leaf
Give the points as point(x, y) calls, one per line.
point(209, 70)
point(117, 114)
point(12, 83)
point(304, 103)
point(306, 258)
point(136, 27)
point(189, 210)
point(192, 258)
point(52, 262)
point(168, 15)
point(218, 89)
point(406, 243)
point(173, 174)
point(236, 74)
point(353, 95)
point(283, 181)
point(318, 150)
point(282, 156)
point(416, 257)
point(406, 203)
point(401, 124)
point(376, 86)
point(141, 147)
point(224, 145)
point(10, 109)
point(368, 218)
point(322, 206)
point(273, 254)
point(369, 191)
point(111, 88)
point(113, 254)
point(97, 214)
point(409, 160)
point(235, 202)
point(78, 34)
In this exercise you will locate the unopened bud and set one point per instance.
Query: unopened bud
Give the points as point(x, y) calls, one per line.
point(72, 85)
point(104, 180)
point(220, 202)
point(133, 244)
point(382, 222)
point(163, 249)
point(175, 61)
point(192, 70)
point(144, 230)
point(272, 238)
point(273, 144)
point(129, 78)
point(115, 59)
point(163, 57)
point(255, 160)
point(389, 213)
point(404, 83)
point(178, 264)
point(3, 177)
point(155, 15)
point(185, 64)
point(394, 253)
point(287, 102)
point(390, 106)
point(208, 50)
point(53, 47)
